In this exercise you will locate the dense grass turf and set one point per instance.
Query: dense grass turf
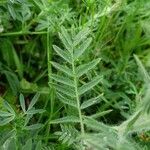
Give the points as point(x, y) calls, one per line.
point(74, 74)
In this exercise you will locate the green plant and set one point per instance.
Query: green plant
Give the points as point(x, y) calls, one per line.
point(92, 94)
point(69, 92)
point(69, 86)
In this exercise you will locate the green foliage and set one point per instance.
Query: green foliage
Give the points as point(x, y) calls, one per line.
point(73, 90)
point(74, 75)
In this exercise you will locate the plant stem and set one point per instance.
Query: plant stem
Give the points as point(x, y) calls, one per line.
point(49, 57)
point(22, 33)
point(77, 97)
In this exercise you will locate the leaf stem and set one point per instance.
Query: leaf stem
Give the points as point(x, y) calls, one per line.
point(49, 57)
point(22, 33)
point(77, 96)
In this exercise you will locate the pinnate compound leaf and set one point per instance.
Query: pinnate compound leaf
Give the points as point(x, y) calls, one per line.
point(80, 50)
point(68, 119)
point(62, 68)
point(64, 54)
point(88, 86)
point(82, 69)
